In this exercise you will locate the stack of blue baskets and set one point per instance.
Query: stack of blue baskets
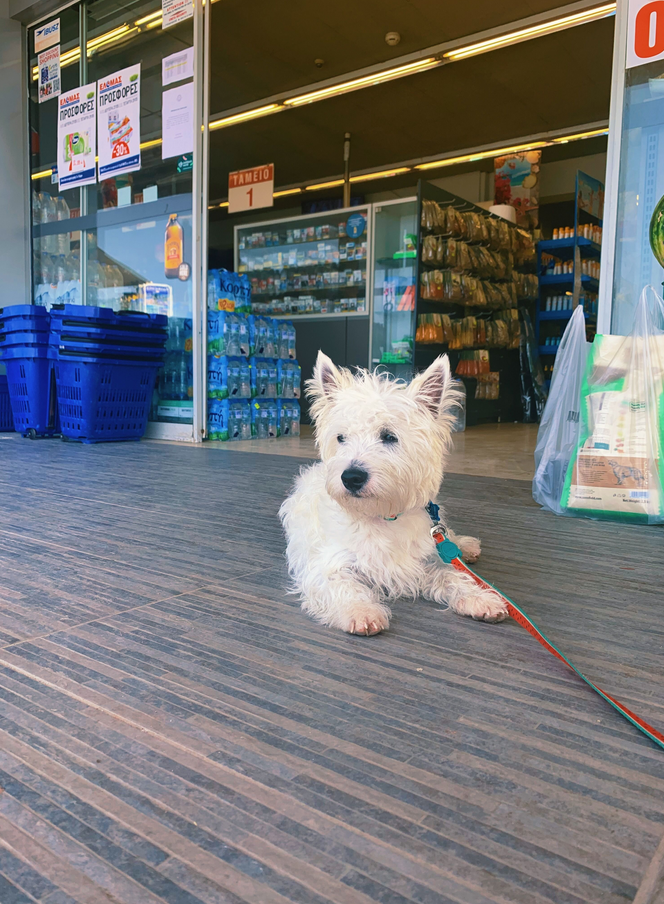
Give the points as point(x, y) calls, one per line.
point(24, 350)
point(105, 370)
point(87, 373)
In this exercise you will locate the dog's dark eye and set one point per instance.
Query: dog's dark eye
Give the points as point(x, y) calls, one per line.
point(387, 437)
point(341, 438)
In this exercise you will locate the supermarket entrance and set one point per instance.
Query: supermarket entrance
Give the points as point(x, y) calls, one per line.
point(391, 137)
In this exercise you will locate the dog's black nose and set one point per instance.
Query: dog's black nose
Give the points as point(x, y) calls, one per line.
point(354, 478)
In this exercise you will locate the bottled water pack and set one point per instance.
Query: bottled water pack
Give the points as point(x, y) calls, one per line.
point(264, 377)
point(289, 378)
point(229, 420)
point(289, 417)
point(264, 419)
point(228, 378)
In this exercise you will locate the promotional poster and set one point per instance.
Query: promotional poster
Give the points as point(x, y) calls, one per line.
point(77, 145)
point(516, 182)
point(119, 122)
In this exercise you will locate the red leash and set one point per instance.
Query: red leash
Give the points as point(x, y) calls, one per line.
point(451, 554)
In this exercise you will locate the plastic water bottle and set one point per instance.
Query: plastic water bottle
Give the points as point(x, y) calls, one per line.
point(232, 335)
point(243, 334)
point(246, 421)
point(233, 379)
point(272, 420)
point(291, 340)
point(245, 380)
point(271, 388)
point(49, 215)
point(62, 213)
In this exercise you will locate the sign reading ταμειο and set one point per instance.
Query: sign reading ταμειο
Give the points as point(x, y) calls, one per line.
point(251, 188)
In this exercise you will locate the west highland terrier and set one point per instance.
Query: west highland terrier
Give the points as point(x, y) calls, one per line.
point(357, 529)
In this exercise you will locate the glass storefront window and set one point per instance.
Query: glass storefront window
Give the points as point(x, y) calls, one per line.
point(640, 189)
point(126, 241)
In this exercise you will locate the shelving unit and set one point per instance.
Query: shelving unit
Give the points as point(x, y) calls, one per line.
point(574, 286)
point(307, 266)
point(506, 361)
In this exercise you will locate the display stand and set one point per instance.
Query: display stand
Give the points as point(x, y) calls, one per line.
point(509, 283)
point(570, 288)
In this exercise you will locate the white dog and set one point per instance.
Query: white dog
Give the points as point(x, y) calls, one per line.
point(357, 529)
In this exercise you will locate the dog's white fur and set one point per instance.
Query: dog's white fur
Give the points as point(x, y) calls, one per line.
point(347, 561)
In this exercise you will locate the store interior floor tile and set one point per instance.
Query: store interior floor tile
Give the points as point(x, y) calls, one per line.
point(488, 450)
point(173, 730)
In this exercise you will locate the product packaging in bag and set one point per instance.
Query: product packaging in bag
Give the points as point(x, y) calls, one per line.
point(617, 471)
point(558, 435)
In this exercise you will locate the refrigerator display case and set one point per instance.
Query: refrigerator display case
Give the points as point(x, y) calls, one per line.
point(394, 280)
point(310, 266)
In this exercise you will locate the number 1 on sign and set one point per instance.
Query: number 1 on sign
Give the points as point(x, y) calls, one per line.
point(251, 197)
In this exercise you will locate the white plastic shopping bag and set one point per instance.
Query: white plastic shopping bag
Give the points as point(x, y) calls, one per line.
point(617, 471)
point(558, 435)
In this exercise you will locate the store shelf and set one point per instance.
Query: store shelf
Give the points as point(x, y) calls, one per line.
point(397, 261)
point(325, 316)
point(339, 287)
point(567, 279)
point(564, 248)
point(288, 246)
point(311, 265)
point(561, 315)
point(548, 349)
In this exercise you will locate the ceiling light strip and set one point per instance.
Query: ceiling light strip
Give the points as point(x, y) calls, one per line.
point(534, 31)
point(366, 81)
point(255, 113)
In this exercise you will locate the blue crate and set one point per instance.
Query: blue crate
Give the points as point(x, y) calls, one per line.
point(24, 311)
point(69, 329)
point(6, 416)
point(31, 338)
point(104, 351)
point(31, 383)
point(107, 317)
point(104, 401)
point(24, 324)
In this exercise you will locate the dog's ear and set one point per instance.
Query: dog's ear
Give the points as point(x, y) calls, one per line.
point(325, 380)
point(434, 388)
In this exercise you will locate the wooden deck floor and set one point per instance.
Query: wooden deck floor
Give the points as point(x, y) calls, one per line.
point(173, 729)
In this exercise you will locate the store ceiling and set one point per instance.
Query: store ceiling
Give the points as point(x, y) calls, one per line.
point(263, 48)
point(554, 82)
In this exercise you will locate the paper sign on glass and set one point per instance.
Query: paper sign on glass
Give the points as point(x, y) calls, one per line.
point(47, 35)
point(645, 32)
point(77, 137)
point(175, 11)
point(177, 118)
point(177, 67)
point(251, 188)
point(119, 122)
point(48, 69)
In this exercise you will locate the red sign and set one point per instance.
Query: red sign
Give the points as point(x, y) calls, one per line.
point(251, 188)
point(645, 32)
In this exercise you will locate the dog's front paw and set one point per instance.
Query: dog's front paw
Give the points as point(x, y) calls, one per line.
point(471, 549)
point(484, 606)
point(368, 620)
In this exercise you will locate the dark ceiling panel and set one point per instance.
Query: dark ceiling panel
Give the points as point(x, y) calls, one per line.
point(554, 82)
point(263, 48)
